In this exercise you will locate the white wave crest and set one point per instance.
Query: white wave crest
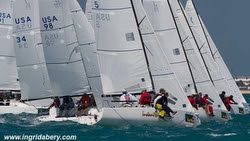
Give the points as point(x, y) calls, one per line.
point(220, 135)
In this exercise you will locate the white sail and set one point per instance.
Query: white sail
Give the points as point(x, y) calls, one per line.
point(221, 84)
point(32, 71)
point(159, 14)
point(198, 68)
point(87, 44)
point(120, 52)
point(223, 67)
point(8, 71)
point(161, 71)
point(63, 59)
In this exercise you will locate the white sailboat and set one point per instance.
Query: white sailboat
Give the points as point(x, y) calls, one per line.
point(179, 51)
point(31, 67)
point(68, 39)
point(209, 50)
point(128, 52)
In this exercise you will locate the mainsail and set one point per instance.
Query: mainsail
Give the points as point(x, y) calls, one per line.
point(120, 51)
point(8, 71)
point(32, 71)
point(61, 49)
point(161, 71)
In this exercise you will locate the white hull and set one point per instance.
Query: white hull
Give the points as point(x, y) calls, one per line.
point(16, 107)
point(125, 116)
point(220, 115)
point(235, 109)
point(92, 118)
point(147, 116)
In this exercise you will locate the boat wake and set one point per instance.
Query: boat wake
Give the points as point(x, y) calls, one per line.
point(222, 135)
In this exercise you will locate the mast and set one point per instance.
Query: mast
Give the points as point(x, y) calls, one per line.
point(210, 77)
point(189, 67)
point(203, 30)
point(137, 23)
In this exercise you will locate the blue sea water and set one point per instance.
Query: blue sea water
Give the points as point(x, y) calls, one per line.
point(27, 124)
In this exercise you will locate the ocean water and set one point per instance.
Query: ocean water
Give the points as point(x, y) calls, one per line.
point(27, 124)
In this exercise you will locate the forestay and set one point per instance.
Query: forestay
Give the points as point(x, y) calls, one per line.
point(120, 52)
point(161, 71)
point(32, 71)
point(8, 71)
point(218, 78)
point(87, 45)
point(63, 58)
point(160, 16)
point(201, 77)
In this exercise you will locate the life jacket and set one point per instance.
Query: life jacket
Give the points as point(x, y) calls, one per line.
point(127, 97)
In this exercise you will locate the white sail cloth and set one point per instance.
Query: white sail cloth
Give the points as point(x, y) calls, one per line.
point(8, 71)
point(87, 45)
point(120, 52)
point(161, 71)
point(159, 14)
point(198, 68)
point(198, 26)
point(217, 76)
point(63, 59)
point(32, 71)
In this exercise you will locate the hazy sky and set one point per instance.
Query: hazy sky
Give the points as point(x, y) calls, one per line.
point(228, 22)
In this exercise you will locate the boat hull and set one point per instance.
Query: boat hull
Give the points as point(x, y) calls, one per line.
point(238, 110)
point(147, 116)
point(220, 115)
point(16, 107)
point(92, 118)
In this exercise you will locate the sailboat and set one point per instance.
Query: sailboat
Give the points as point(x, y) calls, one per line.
point(9, 82)
point(32, 71)
point(213, 56)
point(178, 47)
point(69, 46)
point(130, 58)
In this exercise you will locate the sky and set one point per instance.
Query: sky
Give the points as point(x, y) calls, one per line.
point(228, 22)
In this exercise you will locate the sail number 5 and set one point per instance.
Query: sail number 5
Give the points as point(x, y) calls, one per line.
point(96, 4)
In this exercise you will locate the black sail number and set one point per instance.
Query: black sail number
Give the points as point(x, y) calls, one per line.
point(21, 41)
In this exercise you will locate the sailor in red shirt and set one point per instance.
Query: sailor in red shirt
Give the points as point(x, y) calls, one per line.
point(229, 100)
point(192, 101)
point(145, 98)
point(83, 104)
point(208, 107)
point(55, 103)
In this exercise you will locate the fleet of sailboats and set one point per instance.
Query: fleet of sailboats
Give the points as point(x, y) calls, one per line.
point(54, 51)
point(218, 68)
